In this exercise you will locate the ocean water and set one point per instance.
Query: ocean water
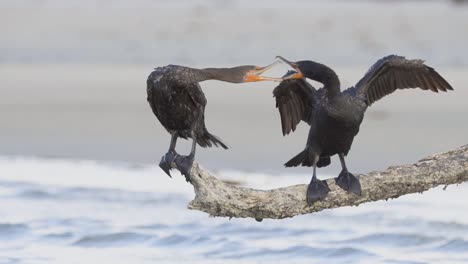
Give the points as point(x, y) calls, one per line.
point(69, 211)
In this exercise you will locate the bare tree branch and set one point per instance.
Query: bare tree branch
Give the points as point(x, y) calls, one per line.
point(221, 199)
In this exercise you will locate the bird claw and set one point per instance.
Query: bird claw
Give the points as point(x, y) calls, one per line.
point(163, 165)
point(166, 162)
point(184, 165)
point(316, 191)
point(348, 182)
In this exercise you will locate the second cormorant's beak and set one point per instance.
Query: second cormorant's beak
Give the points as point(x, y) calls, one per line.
point(255, 74)
point(297, 75)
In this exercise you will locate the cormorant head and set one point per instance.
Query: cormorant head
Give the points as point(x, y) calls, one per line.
point(241, 74)
point(253, 73)
point(297, 74)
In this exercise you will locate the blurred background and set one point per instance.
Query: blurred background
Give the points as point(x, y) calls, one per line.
point(79, 145)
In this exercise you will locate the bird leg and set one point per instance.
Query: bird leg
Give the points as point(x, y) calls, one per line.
point(317, 189)
point(170, 156)
point(184, 163)
point(346, 180)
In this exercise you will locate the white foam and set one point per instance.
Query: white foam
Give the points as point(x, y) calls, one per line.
point(87, 173)
point(92, 174)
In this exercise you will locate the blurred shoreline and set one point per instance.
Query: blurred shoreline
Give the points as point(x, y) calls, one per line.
point(231, 32)
point(73, 76)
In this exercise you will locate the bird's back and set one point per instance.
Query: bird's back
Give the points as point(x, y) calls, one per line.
point(177, 105)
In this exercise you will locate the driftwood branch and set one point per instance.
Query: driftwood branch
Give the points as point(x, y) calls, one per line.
point(217, 198)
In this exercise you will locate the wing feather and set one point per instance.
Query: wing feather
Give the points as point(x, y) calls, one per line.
point(295, 101)
point(395, 72)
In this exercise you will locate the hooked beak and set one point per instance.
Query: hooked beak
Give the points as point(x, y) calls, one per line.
point(255, 74)
point(297, 75)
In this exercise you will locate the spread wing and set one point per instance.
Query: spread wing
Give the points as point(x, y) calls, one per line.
point(295, 100)
point(395, 72)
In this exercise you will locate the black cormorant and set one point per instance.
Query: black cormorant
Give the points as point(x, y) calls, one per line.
point(334, 116)
point(179, 104)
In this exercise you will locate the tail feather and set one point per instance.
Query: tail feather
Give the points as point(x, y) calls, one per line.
point(208, 140)
point(305, 158)
point(323, 162)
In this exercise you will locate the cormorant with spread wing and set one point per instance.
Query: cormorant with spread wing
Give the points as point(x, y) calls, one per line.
point(334, 116)
point(179, 103)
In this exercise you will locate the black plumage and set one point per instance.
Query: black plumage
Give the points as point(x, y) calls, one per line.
point(178, 102)
point(334, 116)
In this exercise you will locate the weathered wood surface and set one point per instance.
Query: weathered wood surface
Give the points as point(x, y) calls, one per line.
point(217, 198)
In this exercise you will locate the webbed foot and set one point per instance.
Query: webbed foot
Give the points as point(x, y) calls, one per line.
point(166, 161)
point(316, 191)
point(348, 182)
point(184, 164)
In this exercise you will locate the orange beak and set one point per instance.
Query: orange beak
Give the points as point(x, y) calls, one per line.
point(255, 74)
point(297, 75)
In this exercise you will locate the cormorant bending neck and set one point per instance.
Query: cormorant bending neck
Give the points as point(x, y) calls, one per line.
point(321, 73)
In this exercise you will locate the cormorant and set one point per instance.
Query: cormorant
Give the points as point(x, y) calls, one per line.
point(179, 104)
point(334, 116)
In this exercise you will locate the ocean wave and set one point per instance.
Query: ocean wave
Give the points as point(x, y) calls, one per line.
point(58, 236)
point(301, 252)
point(455, 245)
point(10, 231)
point(393, 239)
point(98, 194)
point(260, 231)
point(152, 227)
point(10, 260)
point(112, 240)
point(389, 261)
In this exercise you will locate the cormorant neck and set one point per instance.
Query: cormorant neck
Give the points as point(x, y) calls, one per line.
point(323, 74)
point(190, 75)
point(222, 74)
